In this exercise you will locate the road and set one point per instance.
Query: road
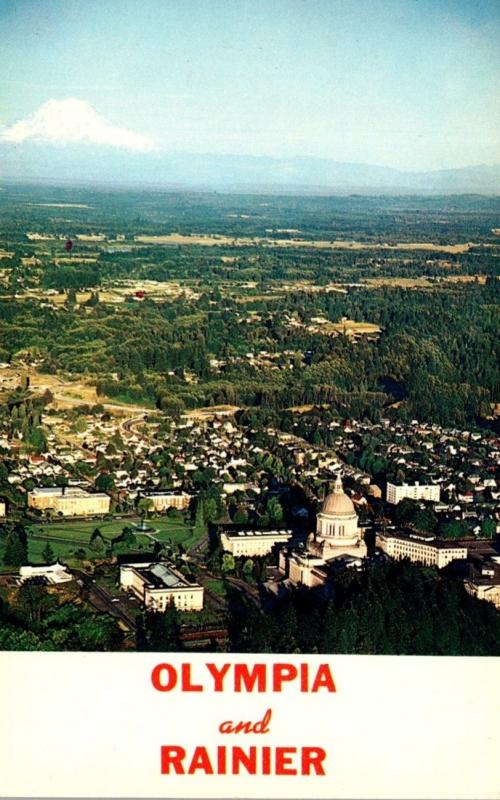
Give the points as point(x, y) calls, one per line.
point(250, 591)
point(102, 600)
point(197, 548)
point(128, 426)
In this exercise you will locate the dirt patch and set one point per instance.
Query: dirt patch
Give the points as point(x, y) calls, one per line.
point(209, 411)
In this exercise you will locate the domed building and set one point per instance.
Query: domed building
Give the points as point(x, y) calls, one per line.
point(337, 536)
point(337, 530)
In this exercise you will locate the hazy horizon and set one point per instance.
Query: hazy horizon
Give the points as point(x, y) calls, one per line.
point(409, 85)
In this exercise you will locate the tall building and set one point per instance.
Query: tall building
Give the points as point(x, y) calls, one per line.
point(395, 493)
point(337, 536)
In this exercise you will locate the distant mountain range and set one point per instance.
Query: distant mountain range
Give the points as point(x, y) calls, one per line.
point(84, 164)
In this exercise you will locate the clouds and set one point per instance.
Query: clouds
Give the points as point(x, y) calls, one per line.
point(72, 121)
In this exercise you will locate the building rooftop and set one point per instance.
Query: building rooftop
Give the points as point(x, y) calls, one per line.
point(243, 533)
point(424, 538)
point(161, 575)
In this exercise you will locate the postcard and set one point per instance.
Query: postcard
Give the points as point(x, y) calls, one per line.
point(249, 399)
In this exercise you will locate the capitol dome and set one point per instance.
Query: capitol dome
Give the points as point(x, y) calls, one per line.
point(337, 503)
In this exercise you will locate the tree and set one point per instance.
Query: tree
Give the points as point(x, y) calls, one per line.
point(16, 550)
point(199, 518)
point(34, 602)
point(240, 516)
point(96, 542)
point(228, 563)
point(488, 528)
point(144, 505)
point(453, 529)
point(163, 630)
point(104, 482)
point(48, 554)
point(210, 509)
point(247, 569)
point(275, 510)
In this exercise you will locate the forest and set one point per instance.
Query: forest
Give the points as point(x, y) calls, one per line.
point(186, 342)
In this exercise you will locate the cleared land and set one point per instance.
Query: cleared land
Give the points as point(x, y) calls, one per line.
point(205, 240)
point(410, 283)
point(208, 411)
point(66, 392)
point(349, 326)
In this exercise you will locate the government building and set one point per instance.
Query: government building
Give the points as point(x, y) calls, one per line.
point(423, 548)
point(253, 543)
point(158, 584)
point(337, 537)
point(69, 501)
point(162, 501)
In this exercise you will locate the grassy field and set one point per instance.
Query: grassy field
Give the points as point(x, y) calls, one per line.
point(349, 326)
point(65, 537)
point(65, 550)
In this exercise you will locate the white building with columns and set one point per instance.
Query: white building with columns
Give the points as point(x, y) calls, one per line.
point(337, 536)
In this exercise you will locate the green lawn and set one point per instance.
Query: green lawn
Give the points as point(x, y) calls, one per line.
point(67, 536)
point(63, 550)
point(217, 587)
point(80, 531)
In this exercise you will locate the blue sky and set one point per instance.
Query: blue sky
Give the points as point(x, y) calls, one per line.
point(407, 83)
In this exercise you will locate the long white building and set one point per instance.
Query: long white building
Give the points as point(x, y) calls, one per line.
point(253, 542)
point(417, 491)
point(422, 548)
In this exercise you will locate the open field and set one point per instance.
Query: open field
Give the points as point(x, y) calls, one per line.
point(208, 411)
point(351, 327)
point(422, 282)
point(60, 205)
point(76, 260)
point(206, 240)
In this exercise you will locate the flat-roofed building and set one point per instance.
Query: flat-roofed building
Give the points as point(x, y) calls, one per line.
point(70, 501)
point(422, 548)
point(49, 574)
point(162, 501)
point(253, 542)
point(416, 491)
point(3, 509)
point(157, 584)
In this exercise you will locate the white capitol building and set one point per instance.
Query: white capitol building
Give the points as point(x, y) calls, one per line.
point(337, 535)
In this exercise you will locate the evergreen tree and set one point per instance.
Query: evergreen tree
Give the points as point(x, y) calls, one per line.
point(48, 554)
point(163, 630)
